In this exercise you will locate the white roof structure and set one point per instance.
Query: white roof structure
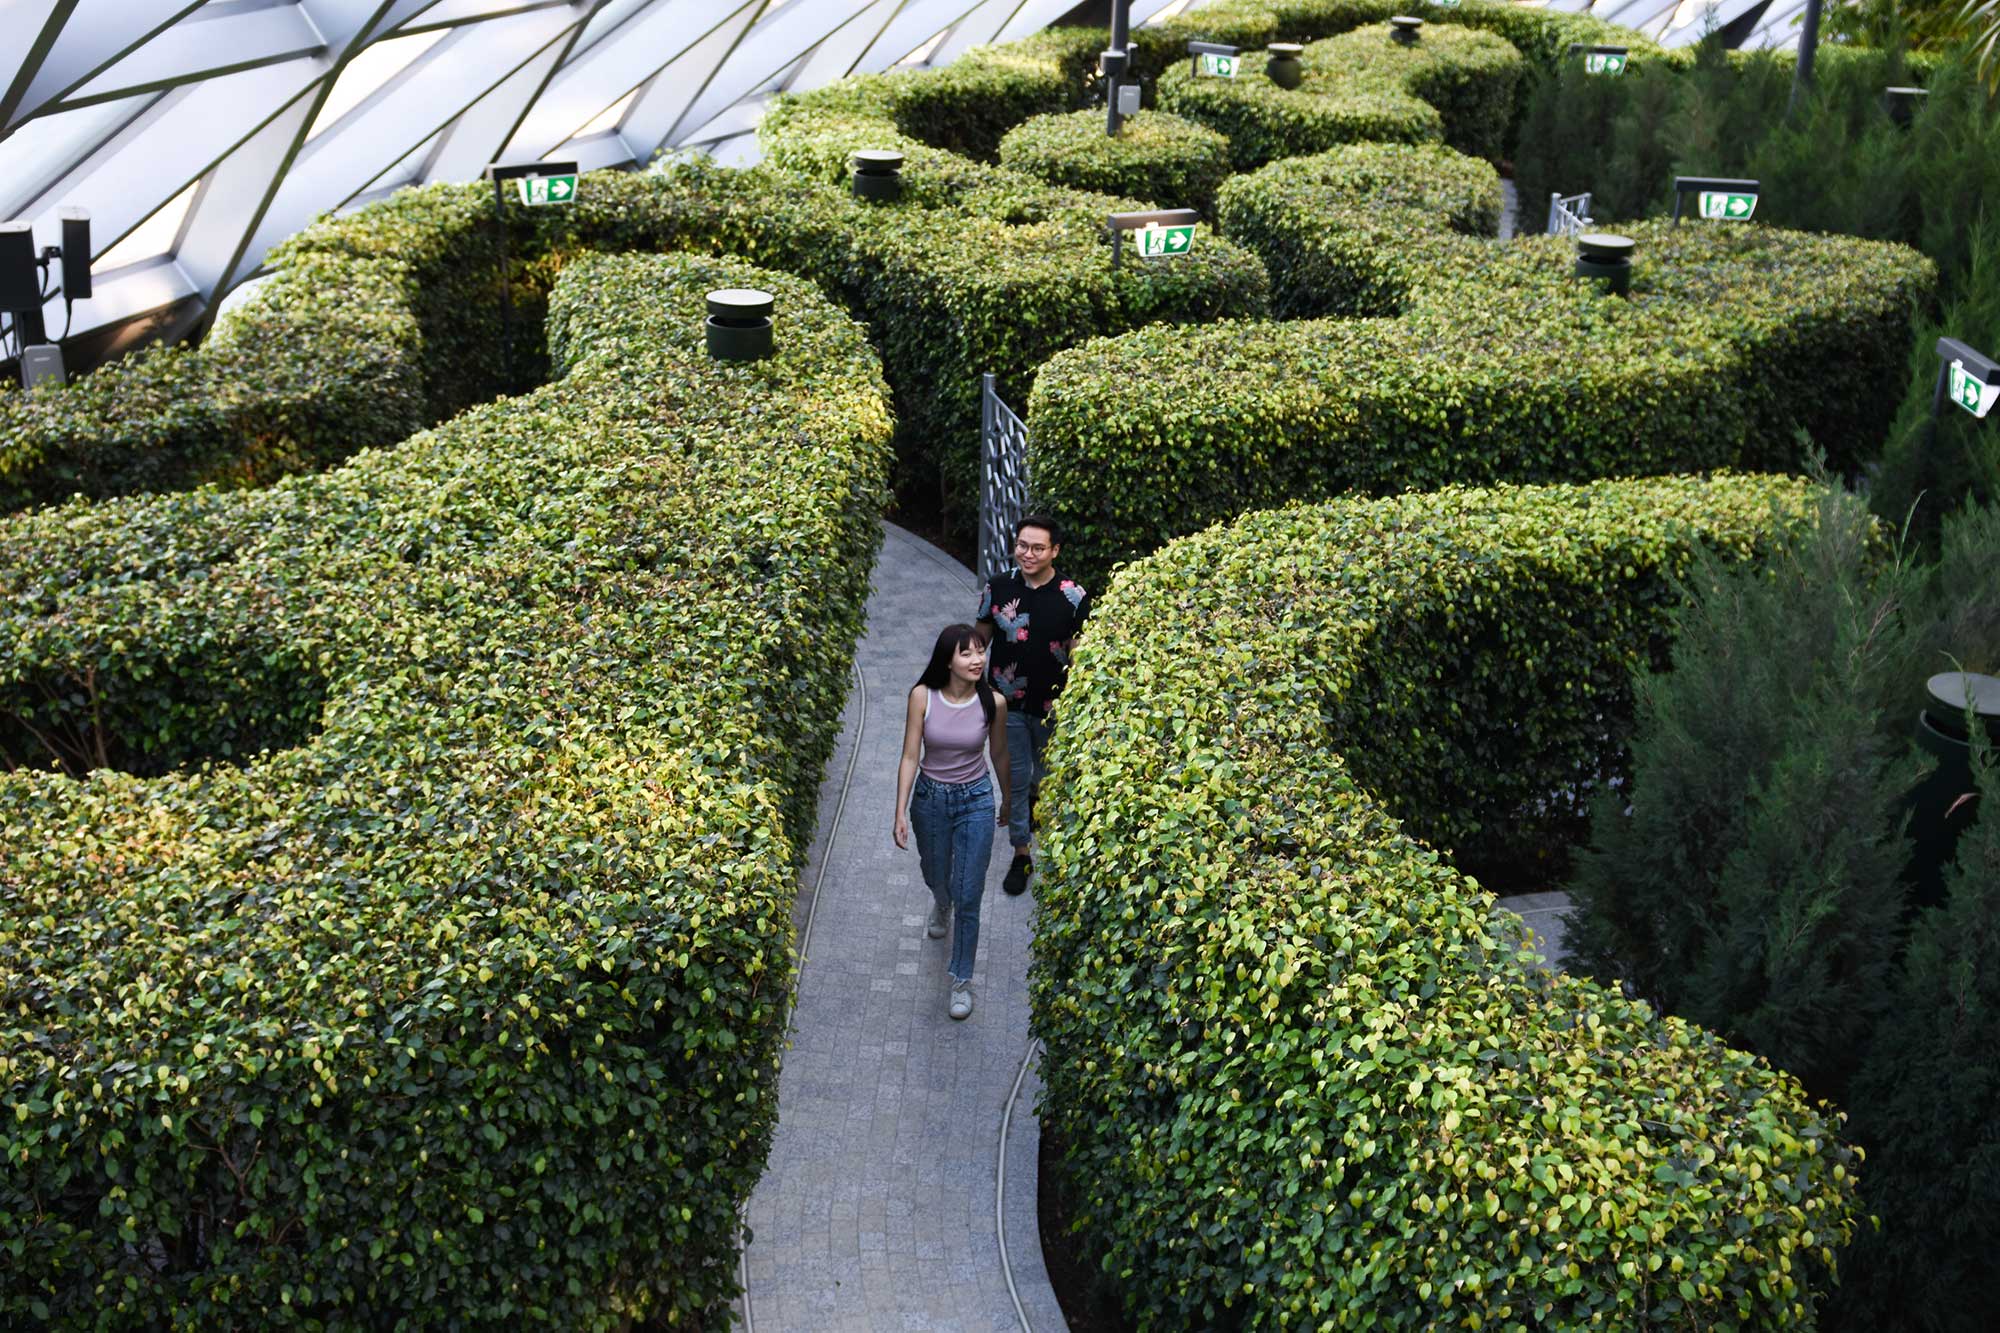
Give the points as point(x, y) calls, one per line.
point(198, 133)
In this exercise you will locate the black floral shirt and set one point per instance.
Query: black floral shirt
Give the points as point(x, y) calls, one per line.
point(1033, 632)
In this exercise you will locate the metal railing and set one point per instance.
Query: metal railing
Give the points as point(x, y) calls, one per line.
point(1003, 480)
point(1569, 214)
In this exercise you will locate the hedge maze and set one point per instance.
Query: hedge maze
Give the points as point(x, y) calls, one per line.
point(395, 912)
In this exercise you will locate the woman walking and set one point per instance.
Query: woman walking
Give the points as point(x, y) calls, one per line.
point(953, 717)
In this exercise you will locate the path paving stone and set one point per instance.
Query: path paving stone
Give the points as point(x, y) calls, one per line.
point(877, 1208)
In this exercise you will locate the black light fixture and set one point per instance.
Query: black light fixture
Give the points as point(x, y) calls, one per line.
point(1405, 29)
point(878, 174)
point(1902, 103)
point(739, 324)
point(25, 287)
point(1284, 67)
point(1606, 255)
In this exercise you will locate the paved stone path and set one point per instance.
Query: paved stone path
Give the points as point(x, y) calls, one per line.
point(877, 1209)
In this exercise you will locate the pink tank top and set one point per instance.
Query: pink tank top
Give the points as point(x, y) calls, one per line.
point(954, 739)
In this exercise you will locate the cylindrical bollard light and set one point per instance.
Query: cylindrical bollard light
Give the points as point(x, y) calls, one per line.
point(1938, 811)
point(1284, 66)
point(1902, 103)
point(739, 324)
point(878, 174)
point(1600, 254)
point(1405, 28)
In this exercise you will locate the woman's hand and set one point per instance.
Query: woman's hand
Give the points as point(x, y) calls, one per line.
point(902, 831)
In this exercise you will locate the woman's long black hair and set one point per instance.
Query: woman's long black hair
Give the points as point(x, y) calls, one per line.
point(938, 674)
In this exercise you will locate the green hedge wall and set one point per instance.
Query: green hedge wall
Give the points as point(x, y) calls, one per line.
point(1498, 364)
point(1304, 1077)
point(1156, 156)
point(1455, 84)
point(228, 413)
point(469, 1006)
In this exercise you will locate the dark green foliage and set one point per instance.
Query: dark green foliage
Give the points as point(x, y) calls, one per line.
point(1302, 1076)
point(467, 1010)
point(1752, 886)
point(1753, 876)
point(1928, 1105)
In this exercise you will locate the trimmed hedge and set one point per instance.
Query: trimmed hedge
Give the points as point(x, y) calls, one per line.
point(471, 1006)
point(1498, 365)
point(1304, 1076)
point(1455, 84)
point(228, 413)
point(1156, 156)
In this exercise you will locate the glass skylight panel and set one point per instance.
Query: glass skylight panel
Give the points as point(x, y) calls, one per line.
point(153, 237)
point(368, 72)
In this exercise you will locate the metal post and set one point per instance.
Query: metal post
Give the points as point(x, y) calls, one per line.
point(1802, 73)
point(1117, 59)
point(506, 287)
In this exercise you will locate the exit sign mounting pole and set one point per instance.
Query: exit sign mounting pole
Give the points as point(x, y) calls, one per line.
point(527, 173)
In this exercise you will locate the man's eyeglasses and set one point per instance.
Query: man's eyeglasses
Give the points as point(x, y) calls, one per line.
point(1025, 549)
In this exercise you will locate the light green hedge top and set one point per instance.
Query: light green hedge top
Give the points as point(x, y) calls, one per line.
point(472, 1001)
point(1486, 361)
point(1156, 156)
point(1303, 1076)
point(1454, 84)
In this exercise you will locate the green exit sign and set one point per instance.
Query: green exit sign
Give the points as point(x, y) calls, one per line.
point(1219, 67)
point(1969, 393)
point(1728, 206)
point(539, 190)
point(1160, 242)
point(1599, 62)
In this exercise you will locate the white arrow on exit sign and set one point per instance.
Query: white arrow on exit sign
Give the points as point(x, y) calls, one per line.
point(1969, 393)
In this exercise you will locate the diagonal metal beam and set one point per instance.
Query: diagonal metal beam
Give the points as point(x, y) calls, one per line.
point(190, 52)
point(32, 27)
point(663, 103)
point(408, 110)
point(649, 40)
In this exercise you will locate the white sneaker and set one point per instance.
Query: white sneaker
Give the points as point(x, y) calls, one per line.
point(961, 999)
point(940, 918)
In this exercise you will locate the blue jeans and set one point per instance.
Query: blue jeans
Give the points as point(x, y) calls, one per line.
point(1026, 738)
point(953, 822)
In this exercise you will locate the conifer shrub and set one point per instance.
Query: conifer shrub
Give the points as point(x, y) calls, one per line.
point(468, 1008)
point(1302, 1075)
point(1753, 876)
point(1156, 156)
point(1498, 364)
point(1927, 1102)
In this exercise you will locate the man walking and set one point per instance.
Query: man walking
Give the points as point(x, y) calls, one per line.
point(1029, 618)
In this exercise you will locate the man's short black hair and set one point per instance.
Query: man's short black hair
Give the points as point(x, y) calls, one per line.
point(1042, 521)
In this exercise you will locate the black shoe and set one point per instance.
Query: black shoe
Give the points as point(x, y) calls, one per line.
point(1016, 882)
